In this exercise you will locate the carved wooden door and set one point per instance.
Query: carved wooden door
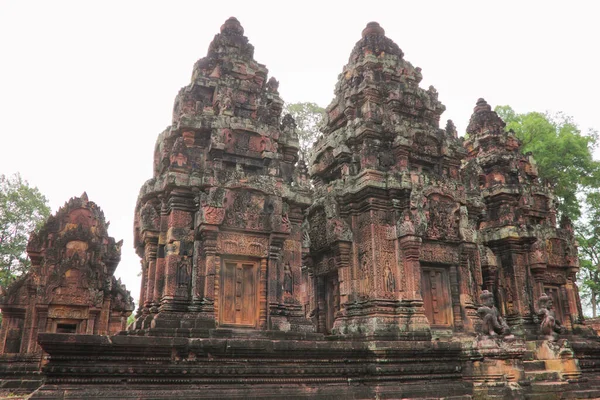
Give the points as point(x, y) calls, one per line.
point(554, 293)
point(238, 294)
point(435, 289)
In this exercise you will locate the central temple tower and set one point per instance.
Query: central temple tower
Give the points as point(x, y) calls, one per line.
point(393, 248)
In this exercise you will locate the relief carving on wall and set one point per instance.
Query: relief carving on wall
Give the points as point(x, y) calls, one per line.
point(442, 218)
point(437, 253)
point(241, 244)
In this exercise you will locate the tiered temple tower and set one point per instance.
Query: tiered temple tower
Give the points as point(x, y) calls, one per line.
point(218, 226)
point(393, 248)
point(534, 255)
point(70, 287)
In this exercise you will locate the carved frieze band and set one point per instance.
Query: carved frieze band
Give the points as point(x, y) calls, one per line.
point(245, 245)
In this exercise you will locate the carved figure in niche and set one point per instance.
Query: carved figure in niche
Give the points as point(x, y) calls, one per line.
point(549, 324)
point(183, 273)
point(288, 280)
point(466, 231)
point(493, 324)
point(406, 227)
point(364, 270)
point(224, 104)
point(388, 278)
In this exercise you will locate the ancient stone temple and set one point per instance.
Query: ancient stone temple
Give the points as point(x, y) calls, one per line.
point(218, 226)
point(405, 262)
point(70, 287)
point(393, 249)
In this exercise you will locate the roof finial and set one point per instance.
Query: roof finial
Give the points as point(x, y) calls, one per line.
point(373, 28)
point(482, 105)
point(232, 26)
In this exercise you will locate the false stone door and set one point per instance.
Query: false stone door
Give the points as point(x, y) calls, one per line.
point(238, 303)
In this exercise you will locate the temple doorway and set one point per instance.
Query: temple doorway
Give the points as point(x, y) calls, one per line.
point(238, 297)
point(437, 300)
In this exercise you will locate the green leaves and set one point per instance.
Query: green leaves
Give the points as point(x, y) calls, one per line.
point(308, 116)
point(22, 209)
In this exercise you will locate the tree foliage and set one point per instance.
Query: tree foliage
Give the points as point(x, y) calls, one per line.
point(588, 237)
point(22, 209)
point(563, 154)
point(308, 116)
point(589, 277)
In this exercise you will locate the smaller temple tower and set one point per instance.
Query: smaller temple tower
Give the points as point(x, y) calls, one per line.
point(532, 255)
point(70, 287)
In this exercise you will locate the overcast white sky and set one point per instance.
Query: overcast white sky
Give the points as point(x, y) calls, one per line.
point(85, 87)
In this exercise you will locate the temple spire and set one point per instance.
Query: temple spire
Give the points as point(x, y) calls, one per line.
point(484, 120)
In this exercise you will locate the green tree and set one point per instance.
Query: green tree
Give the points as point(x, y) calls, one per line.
point(562, 152)
point(22, 209)
point(308, 116)
point(588, 237)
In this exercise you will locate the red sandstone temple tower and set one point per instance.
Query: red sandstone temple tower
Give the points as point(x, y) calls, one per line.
point(70, 287)
point(219, 225)
point(393, 248)
point(533, 255)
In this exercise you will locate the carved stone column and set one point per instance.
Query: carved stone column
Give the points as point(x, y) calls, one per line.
point(144, 288)
point(469, 278)
point(343, 255)
point(29, 341)
point(178, 241)
point(517, 303)
point(321, 307)
point(150, 252)
point(208, 276)
point(274, 291)
point(410, 251)
point(159, 279)
point(455, 294)
point(571, 290)
point(538, 262)
point(41, 323)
